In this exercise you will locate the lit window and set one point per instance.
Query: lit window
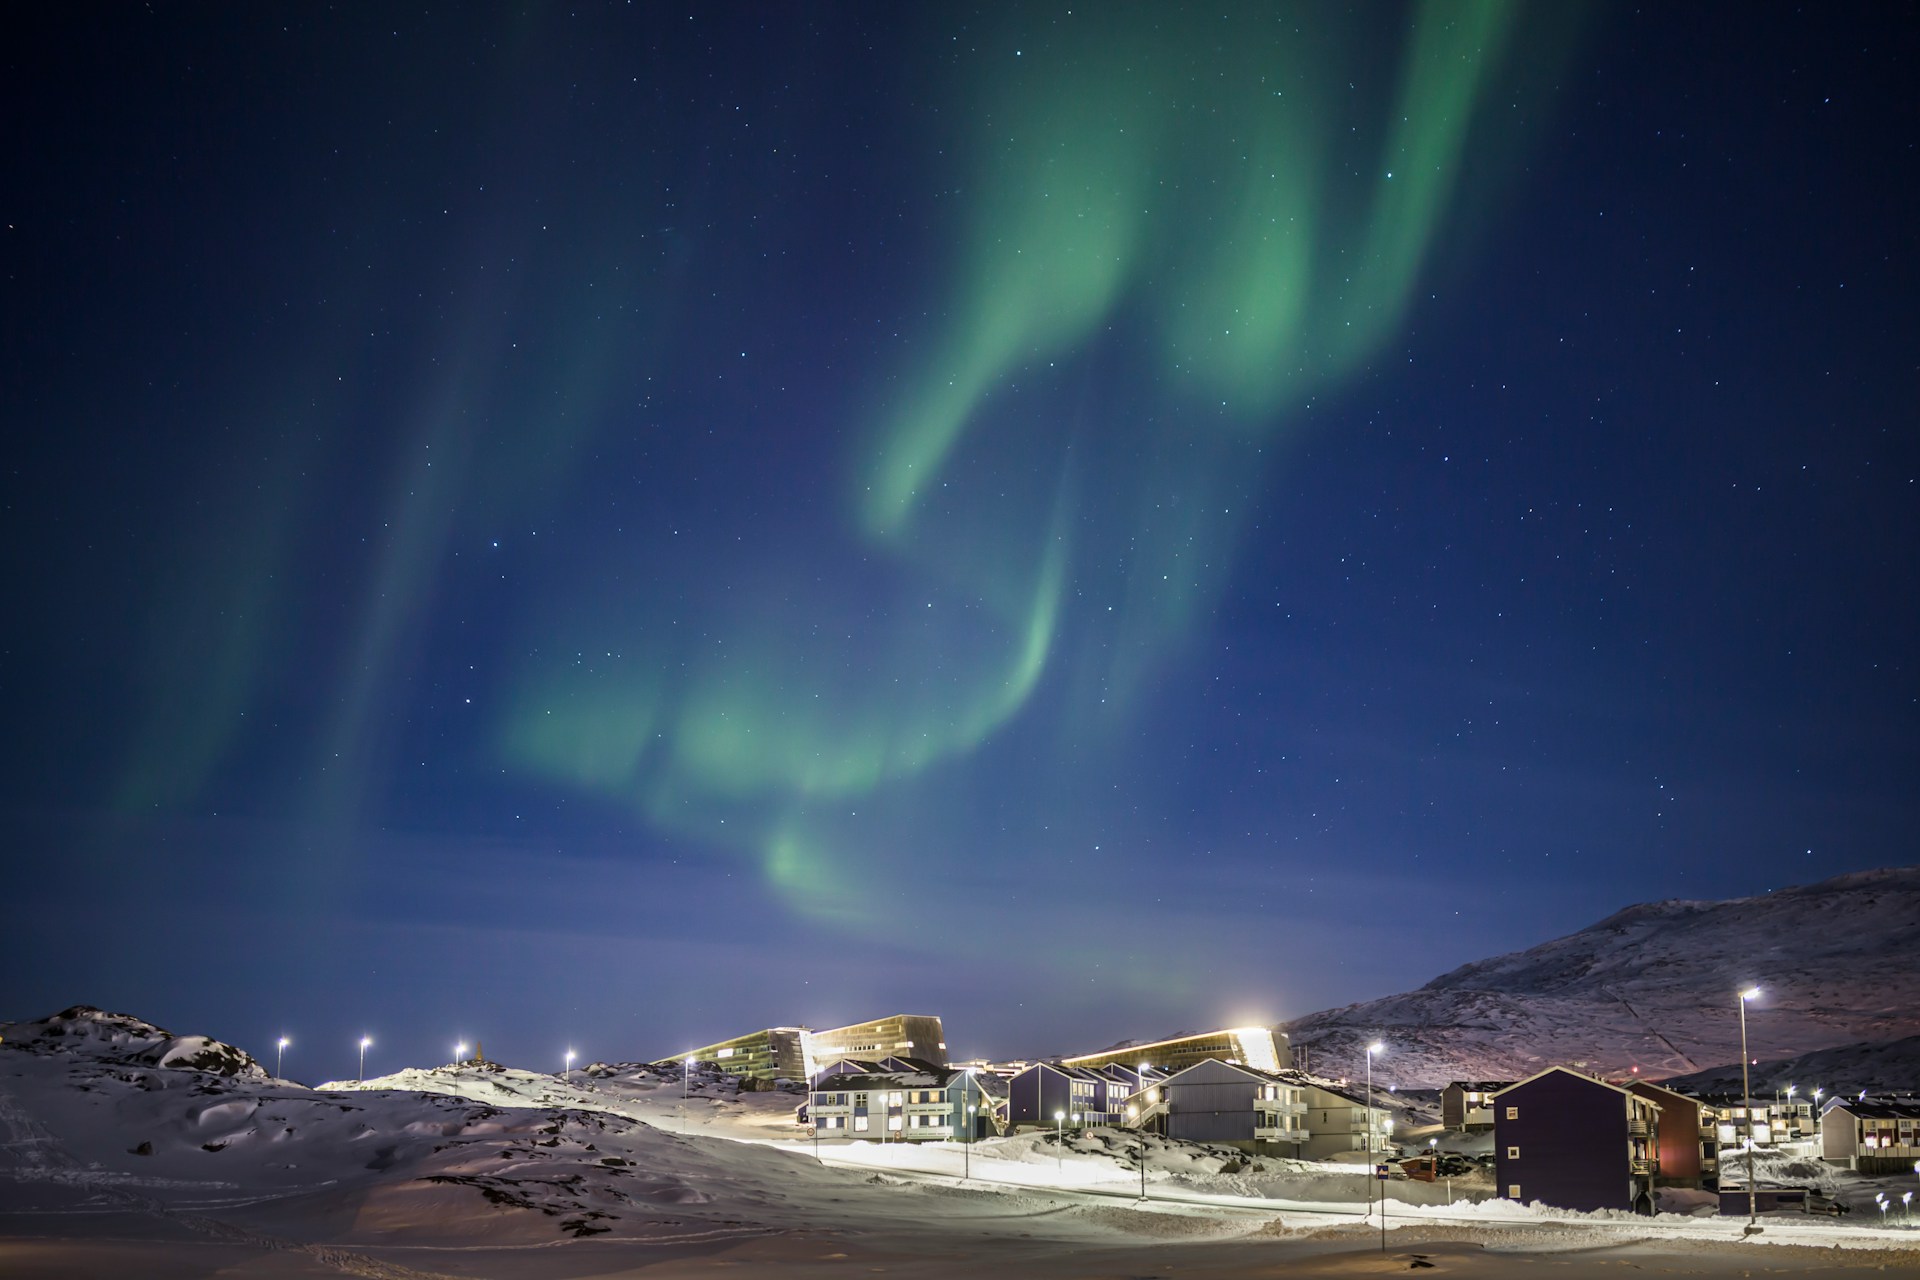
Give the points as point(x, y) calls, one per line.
point(1513, 1113)
point(1513, 1153)
point(859, 1124)
point(1513, 1191)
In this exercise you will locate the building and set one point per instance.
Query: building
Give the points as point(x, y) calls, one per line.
point(1689, 1137)
point(1263, 1112)
point(1258, 1047)
point(1775, 1120)
point(1079, 1096)
point(1339, 1121)
point(1571, 1141)
point(1872, 1136)
point(1464, 1106)
point(798, 1053)
point(908, 1035)
point(773, 1054)
point(933, 1105)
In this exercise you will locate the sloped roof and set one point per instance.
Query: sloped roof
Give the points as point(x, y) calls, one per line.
point(1252, 1073)
point(1876, 1109)
point(1584, 1078)
point(939, 1079)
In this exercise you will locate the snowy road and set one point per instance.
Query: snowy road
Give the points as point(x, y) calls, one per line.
point(1073, 1180)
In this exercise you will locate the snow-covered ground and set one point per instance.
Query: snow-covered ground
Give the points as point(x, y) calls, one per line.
point(116, 1160)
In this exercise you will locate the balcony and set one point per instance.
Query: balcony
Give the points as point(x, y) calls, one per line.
point(1645, 1168)
point(1637, 1129)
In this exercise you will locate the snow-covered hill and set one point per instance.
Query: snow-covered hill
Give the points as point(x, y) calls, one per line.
point(90, 1034)
point(1654, 987)
point(1884, 1067)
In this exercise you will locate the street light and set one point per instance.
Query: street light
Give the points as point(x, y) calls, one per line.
point(279, 1056)
point(571, 1055)
point(1746, 1089)
point(1143, 1136)
point(686, 1074)
point(1906, 1200)
point(966, 1150)
point(1060, 1139)
point(459, 1052)
point(365, 1042)
point(1375, 1047)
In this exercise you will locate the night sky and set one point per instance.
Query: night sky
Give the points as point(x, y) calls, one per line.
point(616, 525)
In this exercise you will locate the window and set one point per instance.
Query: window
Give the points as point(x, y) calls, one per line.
point(1513, 1153)
point(893, 1124)
point(1513, 1191)
point(893, 1099)
point(859, 1124)
point(1513, 1113)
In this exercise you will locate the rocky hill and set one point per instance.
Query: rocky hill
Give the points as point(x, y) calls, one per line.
point(1654, 988)
point(121, 1039)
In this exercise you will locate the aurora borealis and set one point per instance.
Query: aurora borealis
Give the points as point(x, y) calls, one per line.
point(602, 523)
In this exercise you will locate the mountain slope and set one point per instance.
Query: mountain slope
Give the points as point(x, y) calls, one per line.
point(1654, 988)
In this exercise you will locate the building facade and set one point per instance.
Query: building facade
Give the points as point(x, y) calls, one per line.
point(1080, 1098)
point(1689, 1137)
point(1465, 1105)
point(773, 1054)
point(937, 1105)
point(901, 1035)
point(1258, 1047)
point(1339, 1122)
point(1572, 1141)
point(799, 1053)
point(1263, 1112)
point(1871, 1136)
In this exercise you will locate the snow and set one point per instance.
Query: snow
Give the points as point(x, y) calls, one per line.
point(114, 1160)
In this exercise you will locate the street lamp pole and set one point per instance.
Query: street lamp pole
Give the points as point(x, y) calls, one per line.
point(1375, 1047)
point(1143, 1137)
point(966, 1147)
point(1060, 1139)
point(280, 1056)
point(364, 1042)
point(1746, 1090)
point(570, 1056)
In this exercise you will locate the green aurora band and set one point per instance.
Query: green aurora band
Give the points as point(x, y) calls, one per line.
point(1175, 235)
point(1224, 195)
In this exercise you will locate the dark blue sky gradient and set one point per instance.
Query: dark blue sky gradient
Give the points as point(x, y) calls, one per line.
point(380, 389)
